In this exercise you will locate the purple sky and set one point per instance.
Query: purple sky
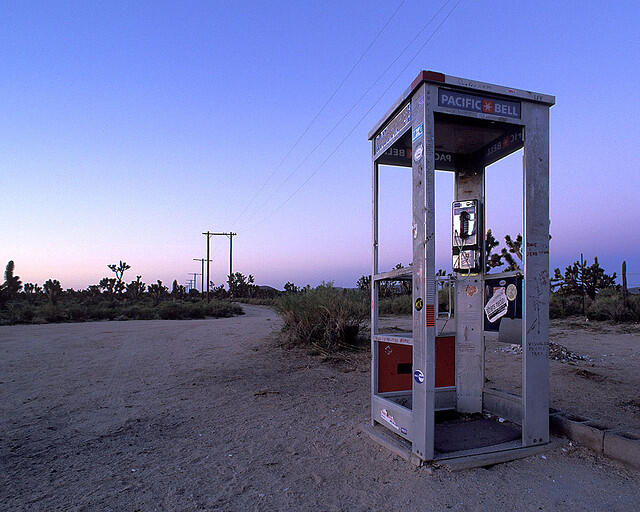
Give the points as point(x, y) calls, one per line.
point(128, 129)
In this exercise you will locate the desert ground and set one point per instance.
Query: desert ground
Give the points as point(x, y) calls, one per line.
point(216, 415)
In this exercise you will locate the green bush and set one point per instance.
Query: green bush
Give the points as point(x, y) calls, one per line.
point(170, 311)
point(400, 305)
point(223, 309)
point(77, 313)
point(326, 318)
point(52, 314)
point(562, 306)
point(258, 302)
point(186, 310)
point(140, 313)
point(609, 305)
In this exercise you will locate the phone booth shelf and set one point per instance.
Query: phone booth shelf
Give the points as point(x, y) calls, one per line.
point(429, 398)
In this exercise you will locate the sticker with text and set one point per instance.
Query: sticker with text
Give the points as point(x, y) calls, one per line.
point(389, 419)
point(417, 132)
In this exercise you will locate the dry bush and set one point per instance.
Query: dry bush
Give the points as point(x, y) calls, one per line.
point(325, 318)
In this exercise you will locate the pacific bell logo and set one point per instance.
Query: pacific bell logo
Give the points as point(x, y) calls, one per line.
point(487, 106)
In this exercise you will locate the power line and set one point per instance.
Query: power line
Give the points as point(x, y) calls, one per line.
point(366, 92)
point(363, 116)
point(304, 132)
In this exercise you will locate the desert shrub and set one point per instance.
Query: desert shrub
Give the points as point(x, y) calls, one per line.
point(170, 311)
point(185, 310)
point(223, 309)
point(140, 313)
point(561, 306)
point(400, 305)
point(198, 310)
point(609, 305)
point(326, 318)
point(27, 315)
point(103, 311)
point(257, 301)
point(77, 313)
point(52, 313)
point(17, 314)
point(403, 304)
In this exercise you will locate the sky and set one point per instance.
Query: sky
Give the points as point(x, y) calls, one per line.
point(129, 128)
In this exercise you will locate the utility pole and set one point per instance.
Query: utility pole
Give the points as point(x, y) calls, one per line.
point(195, 286)
point(209, 234)
point(230, 236)
point(203, 260)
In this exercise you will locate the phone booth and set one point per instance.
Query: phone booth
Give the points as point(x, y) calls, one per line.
point(429, 398)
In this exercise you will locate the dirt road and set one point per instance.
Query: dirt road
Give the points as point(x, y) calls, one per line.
point(211, 415)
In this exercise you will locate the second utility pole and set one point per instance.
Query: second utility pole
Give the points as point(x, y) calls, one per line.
point(230, 235)
point(203, 260)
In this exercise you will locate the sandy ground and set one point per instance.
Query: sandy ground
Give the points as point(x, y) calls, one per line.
point(213, 415)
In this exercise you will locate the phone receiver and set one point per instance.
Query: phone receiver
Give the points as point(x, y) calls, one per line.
point(464, 225)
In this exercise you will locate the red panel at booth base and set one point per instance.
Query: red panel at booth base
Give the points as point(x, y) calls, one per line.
point(395, 372)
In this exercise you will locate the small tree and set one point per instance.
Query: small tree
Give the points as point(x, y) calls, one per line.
point(178, 291)
point(514, 247)
point(157, 291)
point(108, 285)
point(492, 260)
point(119, 271)
point(30, 291)
point(12, 284)
point(290, 288)
point(364, 283)
point(136, 288)
point(218, 292)
point(53, 290)
point(241, 285)
point(582, 279)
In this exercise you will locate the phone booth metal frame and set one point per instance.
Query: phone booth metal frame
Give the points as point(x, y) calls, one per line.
point(455, 124)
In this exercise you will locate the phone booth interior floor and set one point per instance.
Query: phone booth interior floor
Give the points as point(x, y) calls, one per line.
point(456, 432)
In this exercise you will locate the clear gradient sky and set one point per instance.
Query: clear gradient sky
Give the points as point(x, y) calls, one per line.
point(128, 128)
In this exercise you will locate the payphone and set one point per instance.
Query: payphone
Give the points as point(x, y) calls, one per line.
point(464, 232)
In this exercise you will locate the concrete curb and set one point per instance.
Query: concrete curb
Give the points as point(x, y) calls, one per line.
point(619, 444)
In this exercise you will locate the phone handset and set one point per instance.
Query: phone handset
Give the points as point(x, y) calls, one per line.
point(464, 225)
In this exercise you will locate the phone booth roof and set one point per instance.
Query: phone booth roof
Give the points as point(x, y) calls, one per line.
point(455, 83)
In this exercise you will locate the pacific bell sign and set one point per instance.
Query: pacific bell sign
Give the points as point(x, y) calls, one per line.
point(480, 104)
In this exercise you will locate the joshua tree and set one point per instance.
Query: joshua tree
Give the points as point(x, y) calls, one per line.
point(11, 285)
point(491, 260)
point(290, 288)
point(514, 248)
point(217, 292)
point(119, 270)
point(136, 288)
point(157, 291)
point(107, 285)
point(53, 289)
point(177, 290)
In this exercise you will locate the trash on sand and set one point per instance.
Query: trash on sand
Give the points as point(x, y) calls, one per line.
point(266, 392)
point(261, 495)
point(133, 470)
point(501, 420)
point(543, 457)
point(557, 352)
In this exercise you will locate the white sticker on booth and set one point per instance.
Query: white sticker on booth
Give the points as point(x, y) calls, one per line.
point(496, 306)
